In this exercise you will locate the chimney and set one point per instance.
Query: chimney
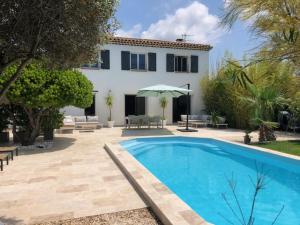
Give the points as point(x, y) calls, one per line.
point(180, 40)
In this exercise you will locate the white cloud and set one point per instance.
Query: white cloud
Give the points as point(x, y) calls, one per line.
point(193, 20)
point(135, 31)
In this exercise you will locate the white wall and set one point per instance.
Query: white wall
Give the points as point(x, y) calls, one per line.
point(122, 82)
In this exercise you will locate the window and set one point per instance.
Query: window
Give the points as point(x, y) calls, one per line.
point(102, 61)
point(181, 64)
point(137, 61)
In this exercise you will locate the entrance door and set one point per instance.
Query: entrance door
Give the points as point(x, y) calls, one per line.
point(90, 111)
point(135, 105)
point(180, 107)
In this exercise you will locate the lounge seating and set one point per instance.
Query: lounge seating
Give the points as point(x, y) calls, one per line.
point(195, 120)
point(202, 120)
point(3, 156)
point(142, 121)
point(84, 122)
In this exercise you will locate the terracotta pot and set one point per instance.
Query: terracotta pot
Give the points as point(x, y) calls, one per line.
point(247, 139)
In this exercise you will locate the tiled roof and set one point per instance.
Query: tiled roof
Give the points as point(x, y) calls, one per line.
point(158, 43)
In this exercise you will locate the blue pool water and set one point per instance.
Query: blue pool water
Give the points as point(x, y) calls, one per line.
point(197, 170)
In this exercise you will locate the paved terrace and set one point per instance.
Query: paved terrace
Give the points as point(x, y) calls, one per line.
point(77, 178)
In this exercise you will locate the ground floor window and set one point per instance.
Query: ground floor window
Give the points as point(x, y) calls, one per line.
point(135, 105)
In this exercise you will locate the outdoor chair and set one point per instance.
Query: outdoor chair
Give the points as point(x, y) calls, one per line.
point(221, 123)
point(156, 120)
point(132, 120)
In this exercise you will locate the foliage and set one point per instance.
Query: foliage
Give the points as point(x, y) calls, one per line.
point(163, 101)
point(290, 147)
point(40, 90)
point(277, 22)
point(258, 184)
point(109, 102)
point(215, 118)
point(4, 118)
point(295, 106)
point(262, 102)
point(223, 95)
point(65, 33)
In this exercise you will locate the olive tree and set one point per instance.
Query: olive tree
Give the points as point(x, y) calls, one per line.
point(40, 90)
point(65, 32)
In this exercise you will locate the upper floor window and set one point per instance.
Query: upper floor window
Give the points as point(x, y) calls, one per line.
point(185, 64)
point(102, 61)
point(181, 64)
point(137, 61)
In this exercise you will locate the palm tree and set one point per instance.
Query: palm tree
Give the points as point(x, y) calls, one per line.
point(263, 102)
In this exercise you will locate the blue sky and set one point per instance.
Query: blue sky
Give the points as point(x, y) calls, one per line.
point(168, 19)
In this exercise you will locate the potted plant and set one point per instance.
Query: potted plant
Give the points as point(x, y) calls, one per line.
point(109, 103)
point(163, 104)
point(53, 120)
point(4, 122)
point(214, 118)
point(247, 137)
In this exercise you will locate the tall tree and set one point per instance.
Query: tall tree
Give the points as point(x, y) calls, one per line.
point(65, 32)
point(277, 22)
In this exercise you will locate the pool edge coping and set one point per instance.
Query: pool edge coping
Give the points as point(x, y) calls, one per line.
point(168, 207)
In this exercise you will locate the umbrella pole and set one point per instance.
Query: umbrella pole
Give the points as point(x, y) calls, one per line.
point(186, 129)
point(187, 108)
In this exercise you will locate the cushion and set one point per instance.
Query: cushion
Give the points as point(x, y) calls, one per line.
point(205, 117)
point(221, 119)
point(92, 119)
point(80, 119)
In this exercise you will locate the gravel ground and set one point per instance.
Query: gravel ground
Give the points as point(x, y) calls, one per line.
point(143, 216)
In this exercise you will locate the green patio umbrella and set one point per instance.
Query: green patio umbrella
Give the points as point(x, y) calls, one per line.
point(162, 90)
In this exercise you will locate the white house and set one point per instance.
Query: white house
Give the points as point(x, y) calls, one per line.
point(126, 65)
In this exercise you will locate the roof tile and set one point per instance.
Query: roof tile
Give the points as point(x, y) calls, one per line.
point(158, 43)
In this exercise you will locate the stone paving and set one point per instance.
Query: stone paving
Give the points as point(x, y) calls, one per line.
point(77, 178)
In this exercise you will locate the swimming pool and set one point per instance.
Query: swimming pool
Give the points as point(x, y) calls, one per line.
point(197, 170)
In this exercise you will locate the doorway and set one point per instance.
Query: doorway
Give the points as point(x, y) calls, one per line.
point(135, 105)
point(91, 111)
point(180, 107)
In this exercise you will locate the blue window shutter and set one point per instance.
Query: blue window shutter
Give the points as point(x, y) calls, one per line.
point(105, 59)
point(194, 64)
point(125, 60)
point(151, 61)
point(170, 62)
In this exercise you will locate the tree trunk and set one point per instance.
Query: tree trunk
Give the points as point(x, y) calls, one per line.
point(35, 124)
